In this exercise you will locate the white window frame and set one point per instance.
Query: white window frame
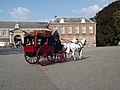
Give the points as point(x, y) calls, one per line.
point(77, 30)
point(70, 30)
point(83, 29)
point(3, 33)
point(90, 29)
point(62, 30)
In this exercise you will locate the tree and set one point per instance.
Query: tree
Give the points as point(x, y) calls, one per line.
point(92, 19)
point(108, 25)
point(117, 25)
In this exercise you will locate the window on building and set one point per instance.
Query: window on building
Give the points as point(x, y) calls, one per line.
point(90, 29)
point(69, 30)
point(77, 30)
point(0, 32)
point(62, 30)
point(83, 29)
point(3, 33)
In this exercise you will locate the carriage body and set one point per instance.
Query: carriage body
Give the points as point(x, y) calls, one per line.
point(39, 46)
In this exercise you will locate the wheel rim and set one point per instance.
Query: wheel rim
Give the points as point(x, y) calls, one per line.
point(61, 56)
point(31, 60)
point(44, 58)
point(49, 57)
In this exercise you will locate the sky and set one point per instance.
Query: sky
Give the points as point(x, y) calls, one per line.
point(45, 10)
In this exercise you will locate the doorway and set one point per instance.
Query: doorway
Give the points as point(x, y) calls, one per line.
point(18, 41)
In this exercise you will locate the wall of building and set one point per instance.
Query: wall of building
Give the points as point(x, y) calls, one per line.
point(90, 37)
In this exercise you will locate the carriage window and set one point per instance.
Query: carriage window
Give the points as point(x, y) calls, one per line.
point(62, 30)
point(77, 30)
point(39, 41)
point(69, 30)
point(83, 29)
point(29, 41)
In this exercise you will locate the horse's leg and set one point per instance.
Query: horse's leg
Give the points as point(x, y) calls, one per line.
point(80, 54)
point(68, 49)
point(73, 54)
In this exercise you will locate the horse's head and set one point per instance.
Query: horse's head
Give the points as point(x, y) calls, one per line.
point(75, 40)
point(82, 42)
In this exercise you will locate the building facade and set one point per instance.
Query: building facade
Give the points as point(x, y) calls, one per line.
point(10, 32)
point(78, 27)
point(68, 27)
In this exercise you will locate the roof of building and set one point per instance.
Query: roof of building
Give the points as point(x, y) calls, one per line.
point(57, 20)
point(71, 20)
point(11, 24)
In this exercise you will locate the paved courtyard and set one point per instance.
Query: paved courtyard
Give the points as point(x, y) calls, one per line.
point(98, 70)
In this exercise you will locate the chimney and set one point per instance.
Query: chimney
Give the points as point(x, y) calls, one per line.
point(55, 17)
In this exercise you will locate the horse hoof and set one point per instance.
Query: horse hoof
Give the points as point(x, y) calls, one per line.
point(80, 58)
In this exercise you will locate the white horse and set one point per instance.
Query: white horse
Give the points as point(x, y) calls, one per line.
point(75, 45)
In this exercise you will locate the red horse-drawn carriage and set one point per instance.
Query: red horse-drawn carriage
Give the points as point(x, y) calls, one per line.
point(40, 47)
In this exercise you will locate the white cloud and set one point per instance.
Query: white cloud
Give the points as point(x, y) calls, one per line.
point(20, 13)
point(88, 12)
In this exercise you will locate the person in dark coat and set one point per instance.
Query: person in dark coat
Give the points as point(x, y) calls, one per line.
point(56, 37)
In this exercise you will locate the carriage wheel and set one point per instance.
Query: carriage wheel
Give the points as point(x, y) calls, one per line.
point(44, 60)
point(43, 56)
point(54, 57)
point(61, 56)
point(31, 60)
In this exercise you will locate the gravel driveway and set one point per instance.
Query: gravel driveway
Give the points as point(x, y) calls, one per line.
point(98, 70)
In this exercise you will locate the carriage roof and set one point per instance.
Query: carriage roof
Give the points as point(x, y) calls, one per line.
point(41, 32)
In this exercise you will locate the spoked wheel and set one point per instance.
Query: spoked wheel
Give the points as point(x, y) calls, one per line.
point(31, 60)
point(49, 57)
point(43, 60)
point(61, 56)
point(44, 55)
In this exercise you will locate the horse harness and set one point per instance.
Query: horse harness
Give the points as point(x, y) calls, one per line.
point(80, 45)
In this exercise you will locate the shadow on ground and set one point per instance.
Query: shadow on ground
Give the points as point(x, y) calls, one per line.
point(68, 60)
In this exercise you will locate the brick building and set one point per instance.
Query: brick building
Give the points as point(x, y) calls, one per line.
point(68, 27)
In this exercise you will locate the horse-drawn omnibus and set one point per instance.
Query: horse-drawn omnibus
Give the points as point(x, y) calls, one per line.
point(40, 47)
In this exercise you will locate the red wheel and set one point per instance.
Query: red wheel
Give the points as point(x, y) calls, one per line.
point(54, 57)
point(44, 60)
point(61, 56)
point(45, 55)
point(31, 60)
